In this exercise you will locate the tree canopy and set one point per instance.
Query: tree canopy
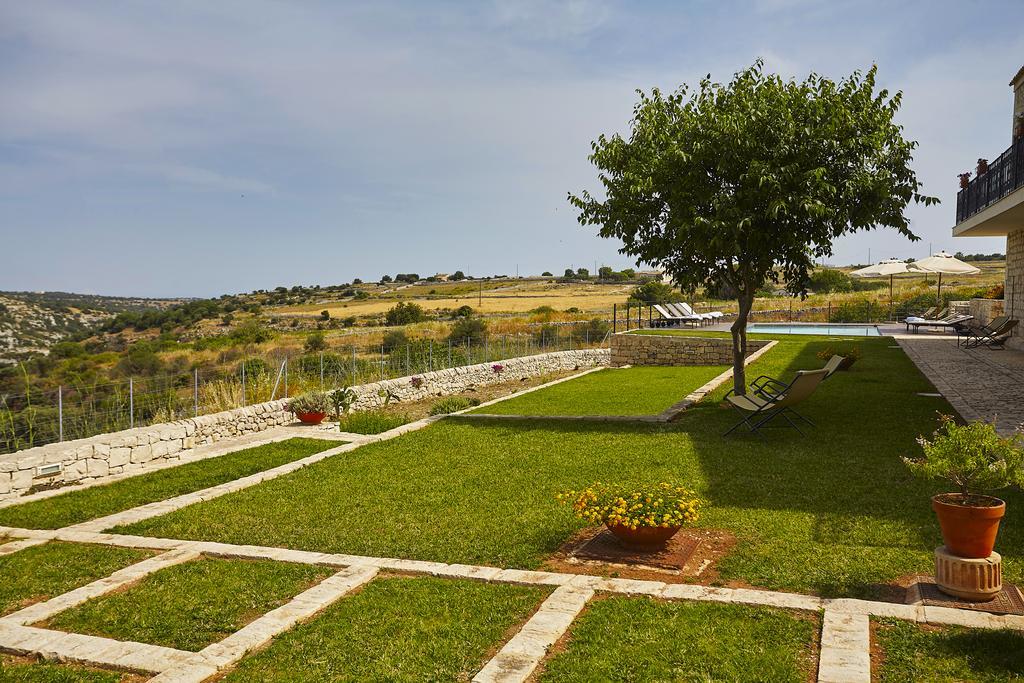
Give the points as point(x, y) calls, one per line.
point(751, 181)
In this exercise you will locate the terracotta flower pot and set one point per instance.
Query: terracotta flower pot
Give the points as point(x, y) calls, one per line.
point(643, 538)
point(969, 530)
point(311, 418)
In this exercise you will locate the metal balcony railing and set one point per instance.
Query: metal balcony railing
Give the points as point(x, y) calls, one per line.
point(1004, 175)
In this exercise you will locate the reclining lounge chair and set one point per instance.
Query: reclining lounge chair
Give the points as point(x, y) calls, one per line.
point(758, 409)
point(953, 321)
point(672, 318)
point(767, 386)
point(993, 338)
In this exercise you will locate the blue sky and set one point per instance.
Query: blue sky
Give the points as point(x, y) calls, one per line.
point(195, 148)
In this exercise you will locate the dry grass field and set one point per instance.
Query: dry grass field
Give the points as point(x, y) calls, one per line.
point(504, 296)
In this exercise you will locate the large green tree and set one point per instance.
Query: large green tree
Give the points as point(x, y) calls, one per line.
point(747, 182)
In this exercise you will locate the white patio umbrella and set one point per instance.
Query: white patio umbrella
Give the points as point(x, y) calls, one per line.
point(943, 263)
point(886, 268)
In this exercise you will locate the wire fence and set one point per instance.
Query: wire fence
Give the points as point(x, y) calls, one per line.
point(37, 416)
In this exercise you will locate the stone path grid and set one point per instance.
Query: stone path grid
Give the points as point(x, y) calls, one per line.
point(982, 384)
point(844, 655)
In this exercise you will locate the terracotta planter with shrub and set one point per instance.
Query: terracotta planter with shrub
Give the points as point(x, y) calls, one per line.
point(969, 525)
point(311, 418)
point(643, 538)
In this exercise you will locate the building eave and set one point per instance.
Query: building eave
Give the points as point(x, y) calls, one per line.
point(1000, 218)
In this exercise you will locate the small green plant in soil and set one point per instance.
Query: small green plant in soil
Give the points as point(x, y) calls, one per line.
point(452, 404)
point(371, 422)
point(973, 457)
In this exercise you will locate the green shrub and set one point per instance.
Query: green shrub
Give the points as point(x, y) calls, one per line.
point(828, 280)
point(315, 342)
point(597, 329)
point(404, 313)
point(655, 292)
point(972, 457)
point(473, 329)
point(395, 339)
point(254, 366)
point(452, 404)
point(371, 422)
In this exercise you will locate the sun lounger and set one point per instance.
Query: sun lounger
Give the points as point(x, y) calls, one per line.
point(990, 338)
point(768, 386)
point(954, 321)
point(965, 333)
point(685, 310)
point(932, 313)
point(670, 317)
point(710, 316)
point(760, 409)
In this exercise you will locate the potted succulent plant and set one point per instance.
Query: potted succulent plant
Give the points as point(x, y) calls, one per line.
point(973, 457)
point(1018, 126)
point(641, 518)
point(982, 168)
point(311, 408)
point(965, 180)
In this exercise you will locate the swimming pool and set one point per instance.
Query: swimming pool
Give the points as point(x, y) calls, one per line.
point(835, 329)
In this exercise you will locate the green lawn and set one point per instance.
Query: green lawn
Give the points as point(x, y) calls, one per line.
point(79, 506)
point(639, 639)
point(191, 605)
point(397, 629)
point(626, 391)
point(13, 670)
point(44, 571)
point(835, 512)
point(914, 653)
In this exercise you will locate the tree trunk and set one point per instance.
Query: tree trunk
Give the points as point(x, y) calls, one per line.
point(739, 344)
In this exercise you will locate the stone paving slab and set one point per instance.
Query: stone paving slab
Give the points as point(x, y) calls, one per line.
point(845, 655)
point(516, 661)
point(981, 384)
point(77, 648)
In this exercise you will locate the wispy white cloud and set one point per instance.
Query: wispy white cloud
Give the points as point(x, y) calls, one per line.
point(443, 123)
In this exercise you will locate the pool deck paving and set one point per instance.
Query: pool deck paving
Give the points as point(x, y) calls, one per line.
point(982, 384)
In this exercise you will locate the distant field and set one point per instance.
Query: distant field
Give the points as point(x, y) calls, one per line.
point(494, 297)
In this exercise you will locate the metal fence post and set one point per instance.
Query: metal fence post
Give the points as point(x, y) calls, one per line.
point(243, 382)
point(321, 371)
point(131, 402)
point(382, 362)
point(407, 359)
point(286, 376)
point(60, 411)
point(430, 357)
point(615, 317)
point(195, 390)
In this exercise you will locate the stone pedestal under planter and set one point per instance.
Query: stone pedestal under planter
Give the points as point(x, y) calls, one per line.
point(977, 580)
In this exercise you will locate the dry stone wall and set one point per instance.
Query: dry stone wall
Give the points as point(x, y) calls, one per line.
point(665, 349)
point(136, 449)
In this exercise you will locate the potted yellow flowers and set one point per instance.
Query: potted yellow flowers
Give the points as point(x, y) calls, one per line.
point(642, 517)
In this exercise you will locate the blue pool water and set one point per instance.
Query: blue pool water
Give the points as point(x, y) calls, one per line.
point(846, 330)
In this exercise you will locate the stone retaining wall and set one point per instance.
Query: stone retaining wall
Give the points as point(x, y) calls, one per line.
point(106, 455)
point(670, 349)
